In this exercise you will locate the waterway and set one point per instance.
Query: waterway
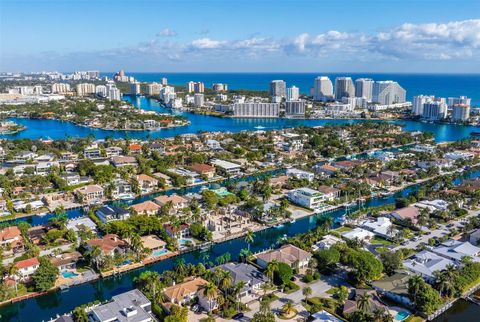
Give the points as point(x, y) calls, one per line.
point(58, 302)
point(37, 129)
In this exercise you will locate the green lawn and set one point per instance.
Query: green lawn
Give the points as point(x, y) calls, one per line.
point(414, 318)
point(380, 241)
point(343, 229)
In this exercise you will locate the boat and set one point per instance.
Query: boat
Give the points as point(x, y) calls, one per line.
point(475, 134)
point(259, 127)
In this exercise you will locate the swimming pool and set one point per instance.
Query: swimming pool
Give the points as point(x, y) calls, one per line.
point(160, 252)
point(69, 274)
point(402, 315)
point(184, 242)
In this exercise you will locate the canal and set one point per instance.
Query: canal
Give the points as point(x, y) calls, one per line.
point(58, 302)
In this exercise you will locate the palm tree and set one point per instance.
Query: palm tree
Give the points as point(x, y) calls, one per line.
point(327, 224)
point(415, 284)
point(210, 291)
point(379, 314)
point(363, 302)
point(342, 294)
point(137, 245)
point(264, 287)
point(307, 291)
point(13, 271)
point(271, 268)
point(180, 267)
point(288, 308)
point(249, 238)
point(226, 281)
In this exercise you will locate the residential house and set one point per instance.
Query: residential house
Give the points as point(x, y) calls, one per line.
point(203, 169)
point(111, 213)
point(122, 189)
point(81, 224)
point(182, 231)
point(381, 226)
point(324, 316)
point(186, 291)
point(394, 287)
point(358, 234)
point(135, 148)
point(326, 170)
point(327, 242)
point(291, 255)
point(409, 213)
point(66, 261)
point(351, 304)
point(456, 250)
point(226, 167)
point(247, 273)
point(306, 197)
point(147, 183)
point(426, 264)
point(177, 202)
point(153, 243)
point(11, 238)
point(90, 194)
point(27, 267)
point(94, 153)
point(108, 244)
point(123, 161)
point(131, 306)
point(475, 237)
point(113, 151)
point(148, 208)
point(300, 174)
point(329, 193)
point(213, 145)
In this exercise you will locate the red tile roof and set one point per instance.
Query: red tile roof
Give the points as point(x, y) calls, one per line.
point(27, 263)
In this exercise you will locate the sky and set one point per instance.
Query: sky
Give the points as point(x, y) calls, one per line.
point(411, 36)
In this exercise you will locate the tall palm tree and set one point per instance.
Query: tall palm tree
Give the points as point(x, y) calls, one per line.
point(288, 308)
point(226, 281)
point(271, 268)
point(13, 271)
point(415, 284)
point(307, 291)
point(363, 302)
point(210, 291)
point(249, 238)
point(327, 224)
point(137, 245)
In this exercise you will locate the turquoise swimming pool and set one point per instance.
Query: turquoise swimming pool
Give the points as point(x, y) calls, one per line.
point(160, 252)
point(402, 315)
point(69, 274)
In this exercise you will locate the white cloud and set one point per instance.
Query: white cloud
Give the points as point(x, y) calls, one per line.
point(206, 43)
point(167, 32)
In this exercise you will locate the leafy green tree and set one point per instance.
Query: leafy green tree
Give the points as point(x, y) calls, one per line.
point(45, 276)
point(79, 314)
point(391, 262)
point(283, 274)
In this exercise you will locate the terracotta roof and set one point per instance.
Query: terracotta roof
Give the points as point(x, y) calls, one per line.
point(27, 263)
point(107, 243)
point(191, 286)
point(202, 168)
point(147, 206)
point(175, 199)
point(89, 189)
point(286, 254)
point(66, 258)
point(327, 189)
point(145, 177)
point(9, 233)
point(134, 146)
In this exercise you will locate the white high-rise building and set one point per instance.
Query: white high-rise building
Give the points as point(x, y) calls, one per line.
point(153, 88)
point(295, 108)
point(219, 87)
point(85, 89)
point(418, 101)
point(278, 88)
point(293, 93)
point(256, 110)
point(364, 88)
point(60, 88)
point(461, 113)
point(190, 87)
point(164, 81)
point(114, 94)
point(101, 91)
point(167, 93)
point(434, 110)
point(462, 100)
point(388, 93)
point(135, 88)
point(322, 89)
point(198, 100)
point(344, 88)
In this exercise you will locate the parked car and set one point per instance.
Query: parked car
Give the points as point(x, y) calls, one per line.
point(238, 316)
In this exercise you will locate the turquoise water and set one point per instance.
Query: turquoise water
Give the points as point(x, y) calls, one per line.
point(160, 252)
point(402, 315)
point(69, 274)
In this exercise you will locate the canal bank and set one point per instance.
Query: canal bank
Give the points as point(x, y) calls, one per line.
point(47, 306)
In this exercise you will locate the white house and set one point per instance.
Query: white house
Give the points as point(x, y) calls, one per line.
point(27, 267)
point(300, 174)
point(358, 234)
point(426, 264)
point(382, 226)
point(306, 197)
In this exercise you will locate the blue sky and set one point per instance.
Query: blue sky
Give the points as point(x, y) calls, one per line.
point(243, 35)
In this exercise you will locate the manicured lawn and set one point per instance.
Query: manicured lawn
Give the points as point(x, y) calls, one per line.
point(414, 318)
point(343, 229)
point(380, 241)
point(332, 290)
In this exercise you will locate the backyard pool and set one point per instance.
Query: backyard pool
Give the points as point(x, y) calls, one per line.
point(402, 315)
point(160, 252)
point(184, 242)
point(69, 274)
